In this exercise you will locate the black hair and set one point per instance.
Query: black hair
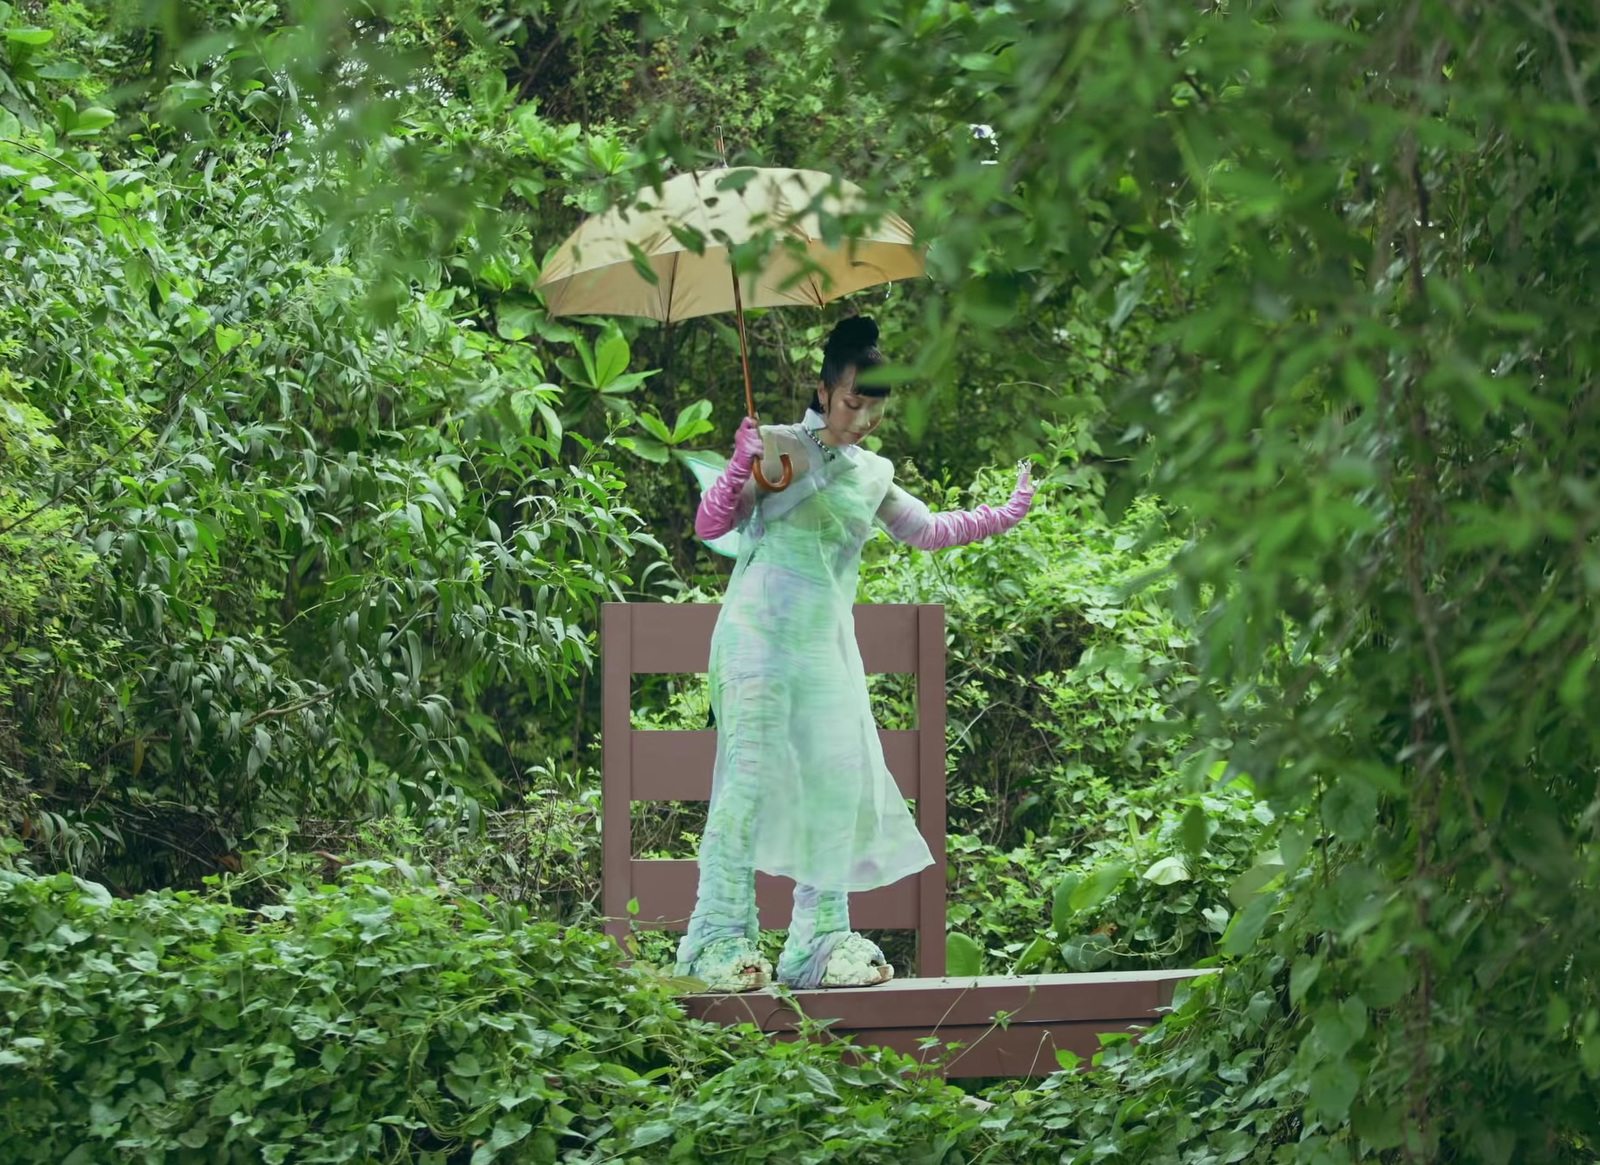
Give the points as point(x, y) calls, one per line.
point(852, 343)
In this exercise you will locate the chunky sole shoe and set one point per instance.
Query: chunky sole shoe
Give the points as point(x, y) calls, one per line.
point(730, 966)
point(856, 962)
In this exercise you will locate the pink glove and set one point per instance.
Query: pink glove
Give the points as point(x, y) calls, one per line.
point(927, 531)
point(720, 505)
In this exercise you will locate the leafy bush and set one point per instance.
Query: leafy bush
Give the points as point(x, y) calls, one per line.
point(384, 1020)
point(307, 499)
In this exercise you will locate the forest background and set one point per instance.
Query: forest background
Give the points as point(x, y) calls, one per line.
point(307, 507)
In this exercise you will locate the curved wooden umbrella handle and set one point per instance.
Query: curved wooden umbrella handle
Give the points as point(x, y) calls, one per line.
point(782, 483)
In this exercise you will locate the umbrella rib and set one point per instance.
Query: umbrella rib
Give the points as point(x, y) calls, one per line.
point(672, 288)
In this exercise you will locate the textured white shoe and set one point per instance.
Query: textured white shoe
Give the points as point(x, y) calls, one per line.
point(731, 965)
point(856, 962)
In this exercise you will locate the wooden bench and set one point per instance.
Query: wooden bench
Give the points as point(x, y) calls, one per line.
point(1042, 1013)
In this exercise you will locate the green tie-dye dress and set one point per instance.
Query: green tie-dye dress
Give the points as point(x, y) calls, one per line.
point(788, 688)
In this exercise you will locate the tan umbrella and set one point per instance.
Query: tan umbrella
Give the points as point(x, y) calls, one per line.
point(684, 235)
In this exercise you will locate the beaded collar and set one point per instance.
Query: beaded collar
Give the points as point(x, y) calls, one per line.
point(812, 422)
point(828, 452)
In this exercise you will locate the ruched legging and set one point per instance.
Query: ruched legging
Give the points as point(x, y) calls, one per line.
point(726, 903)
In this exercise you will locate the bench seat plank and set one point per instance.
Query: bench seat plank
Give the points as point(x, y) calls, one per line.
point(930, 1003)
point(1044, 1013)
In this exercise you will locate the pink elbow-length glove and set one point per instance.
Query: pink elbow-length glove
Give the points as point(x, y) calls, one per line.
point(720, 506)
point(910, 521)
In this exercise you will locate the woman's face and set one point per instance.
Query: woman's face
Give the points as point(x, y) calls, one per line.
point(850, 415)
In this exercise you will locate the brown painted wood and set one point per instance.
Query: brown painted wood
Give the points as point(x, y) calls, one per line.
point(676, 766)
point(616, 764)
point(931, 882)
point(886, 633)
point(675, 638)
point(1043, 1013)
point(927, 1004)
point(665, 888)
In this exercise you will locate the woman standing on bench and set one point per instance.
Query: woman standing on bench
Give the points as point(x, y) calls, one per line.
point(800, 787)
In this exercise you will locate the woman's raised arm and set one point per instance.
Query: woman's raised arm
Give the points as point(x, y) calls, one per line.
point(908, 520)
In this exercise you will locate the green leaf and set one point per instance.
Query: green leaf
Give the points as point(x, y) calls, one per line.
point(1194, 830)
point(523, 403)
point(1087, 952)
point(691, 422)
point(642, 264)
point(1167, 871)
point(1032, 955)
point(1338, 1027)
point(963, 956)
point(1061, 908)
point(1097, 887)
point(734, 181)
point(1574, 688)
point(1250, 883)
point(991, 300)
point(1349, 807)
point(1248, 924)
point(1333, 1087)
point(515, 321)
point(1379, 1126)
point(649, 1133)
point(649, 449)
point(628, 381)
point(507, 1132)
point(610, 361)
point(1302, 976)
point(30, 36)
point(552, 422)
point(1360, 383)
point(656, 427)
point(92, 120)
point(820, 1084)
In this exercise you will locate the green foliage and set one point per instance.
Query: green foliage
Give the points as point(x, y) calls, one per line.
point(384, 1020)
point(1085, 839)
point(1367, 405)
point(1311, 279)
point(305, 506)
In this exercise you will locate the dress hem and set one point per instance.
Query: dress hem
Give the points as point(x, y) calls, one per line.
point(858, 887)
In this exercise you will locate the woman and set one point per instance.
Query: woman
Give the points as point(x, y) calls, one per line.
point(800, 787)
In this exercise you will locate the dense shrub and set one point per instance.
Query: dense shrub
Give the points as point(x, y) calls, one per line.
point(382, 1019)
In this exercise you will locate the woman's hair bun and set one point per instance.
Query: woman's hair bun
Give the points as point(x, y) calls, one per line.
point(853, 334)
point(853, 343)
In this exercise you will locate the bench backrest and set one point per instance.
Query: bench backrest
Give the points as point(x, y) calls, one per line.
point(671, 638)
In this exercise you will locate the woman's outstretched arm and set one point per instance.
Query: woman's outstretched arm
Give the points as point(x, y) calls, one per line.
point(910, 521)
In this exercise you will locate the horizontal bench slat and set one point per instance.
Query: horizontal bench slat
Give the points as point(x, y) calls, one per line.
point(665, 888)
point(923, 1004)
point(676, 766)
point(675, 638)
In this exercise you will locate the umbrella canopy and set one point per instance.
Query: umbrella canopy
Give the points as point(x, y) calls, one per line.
point(597, 270)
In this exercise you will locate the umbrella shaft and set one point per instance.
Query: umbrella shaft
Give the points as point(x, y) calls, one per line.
point(744, 346)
